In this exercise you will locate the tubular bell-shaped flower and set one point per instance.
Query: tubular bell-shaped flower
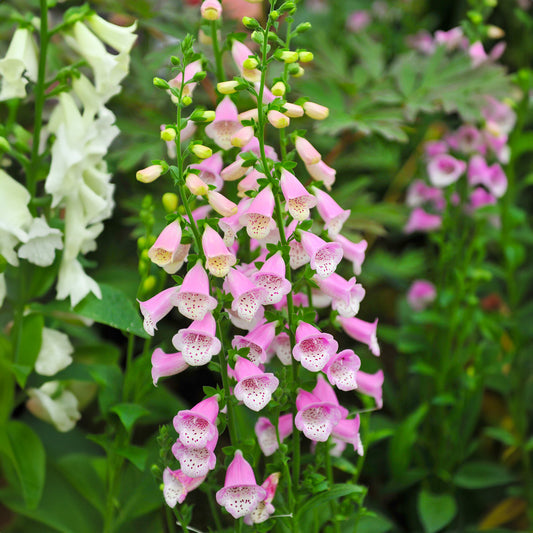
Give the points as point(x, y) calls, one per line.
point(240, 494)
point(247, 296)
point(196, 426)
point(322, 172)
point(157, 308)
point(258, 340)
point(196, 461)
point(299, 201)
point(219, 259)
point(55, 353)
point(265, 508)
point(324, 256)
point(225, 125)
point(190, 71)
point(210, 169)
point(362, 331)
point(313, 348)
point(281, 346)
point(331, 212)
point(167, 251)
point(444, 169)
point(420, 294)
point(420, 220)
point(346, 295)
point(342, 370)
point(254, 387)
point(166, 364)
point(193, 299)
point(266, 433)
point(258, 217)
point(271, 276)
point(307, 152)
point(347, 432)
point(176, 486)
point(240, 53)
point(371, 385)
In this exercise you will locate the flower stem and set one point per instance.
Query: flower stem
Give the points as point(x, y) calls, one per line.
point(216, 51)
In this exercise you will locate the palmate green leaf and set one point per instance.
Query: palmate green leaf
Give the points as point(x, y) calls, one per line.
point(22, 447)
point(435, 511)
point(336, 492)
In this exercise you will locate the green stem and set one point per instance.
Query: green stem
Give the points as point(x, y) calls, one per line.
point(329, 473)
point(129, 359)
point(216, 51)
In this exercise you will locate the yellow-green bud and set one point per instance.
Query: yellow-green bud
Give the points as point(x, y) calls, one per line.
point(144, 255)
point(475, 17)
point(298, 73)
point(4, 145)
point(227, 87)
point(170, 202)
point(278, 89)
point(201, 151)
point(305, 56)
point(250, 63)
point(161, 83)
point(186, 100)
point(274, 15)
point(494, 32)
point(149, 284)
point(209, 115)
point(288, 56)
point(141, 242)
point(168, 134)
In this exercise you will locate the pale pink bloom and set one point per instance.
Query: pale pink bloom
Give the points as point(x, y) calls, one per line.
point(500, 118)
point(221, 204)
point(318, 411)
point(231, 225)
point(299, 201)
point(371, 385)
point(186, 133)
point(347, 431)
point(248, 325)
point(211, 9)
point(254, 387)
point(315, 111)
point(313, 348)
point(322, 172)
point(443, 170)
point(320, 299)
point(177, 485)
point(250, 114)
point(422, 42)
point(323, 256)
point(196, 426)
point(149, 174)
point(497, 143)
point(299, 299)
point(193, 299)
point(196, 461)
point(297, 254)
point(167, 252)
point(420, 294)
point(166, 364)
point(353, 251)
point(243, 136)
point(479, 56)
point(225, 125)
point(258, 341)
point(357, 21)
point(210, 169)
point(420, 220)
point(198, 342)
point(241, 494)
point(293, 110)
point(249, 182)
point(196, 185)
point(418, 193)
point(433, 148)
point(218, 258)
point(342, 369)
point(278, 119)
point(466, 139)
point(362, 331)
point(157, 307)
point(258, 218)
point(281, 345)
point(254, 147)
point(247, 296)
point(199, 213)
point(333, 215)
point(190, 70)
point(271, 277)
point(237, 9)
point(265, 508)
point(234, 170)
point(346, 294)
point(266, 433)
point(307, 152)
point(479, 197)
point(493, 177)
point(240, 53)
point(452, 39)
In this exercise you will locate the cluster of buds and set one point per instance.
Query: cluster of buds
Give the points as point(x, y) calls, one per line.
point(260, 265)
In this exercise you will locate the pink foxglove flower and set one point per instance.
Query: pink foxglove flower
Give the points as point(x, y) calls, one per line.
point(353, 251)
point(243, 136)
point(434, 148)
point(196, 462)
point(322, 172)
point(249, 182)
point(198, 342)
point(307, 152)
point(333, 215)
point(342, 370)
point(210, 169)
point(479, 197)
point(196, 185)
point(167, 251)
point(466, 139)
point(418, 193)
point(265, 508)
point(254, 387)
point(166, 364)
point(347, 431)
point(266, 433)
point(271, 276)
point(346, 295)
point(313, 348)
point(248, 325)
point(240, 53)
point(247, 296)
point(500, 118)
point(219, 259)
point(318, 411)
point(225, 125)
point(230, 226)
point(420, 294)
point(157, 307)
point(176, 486)
point(258, 340)
point(362, 331)
point(193, 299)
point(358, 20)
point(452, 39)
point(297, 254)
point(371, 385)
point(299, 201)
point(420, 220)
point(443, 170)
point(258, 218)
point(190, 71)
point(315, 111)
point(222, 205)
point(240, 494)
point(196, 426)
point(324, 256)
point(281, 345)
point(211, 9)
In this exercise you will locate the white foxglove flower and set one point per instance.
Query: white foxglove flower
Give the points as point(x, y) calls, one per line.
point(21, 57)
point(55, 353)
point(121, 38)
point(52, 405)
point(41, 244)
point(73, 282)
point(15, 217)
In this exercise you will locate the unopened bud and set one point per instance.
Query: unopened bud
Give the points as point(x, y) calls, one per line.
point(170, 202)
point(293, 110)
point(221, 204)
point(208, 116)
point(298, 72)
point(168, 134)
point(242, 137)
point(316, 111)
point(211, 9)
point(303, 27)
point(288, 56)
point(227, 87)
point(277, 119)
point(494, 32)
point(161, 83)
point(305, 56)
point(149, 174)
point(196, 185)
point(257, 37)
point(250, 63)
point(186, 100)
point(274, 15)
point(149, 284)
point(250, 23)
point(4, 145)
point(201, 151)
point(278, 89)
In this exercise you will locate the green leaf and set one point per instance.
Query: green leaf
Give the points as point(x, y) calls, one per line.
point(114, 309)
point(135, 454)
point(435, 511)
point(109, 377)
point(129, 413)
point(28, 348)
point(23, 448)
point(482, 474)
point(336, 492)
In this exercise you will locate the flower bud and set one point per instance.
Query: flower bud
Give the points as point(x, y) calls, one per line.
point(297, 72)
point(221, 204)
point(168, 134)
point(243, 136)
point(4, 144)
point(278, 89)
point(201, 151)
point(494, 32)
point(274, 15)
point(227, 87)
point(211, 9)
point(288, 56)
point(250, 63)
point(250, 23)
point(316, 111)
point(293, 110)
point(186, 100)
point(277, 119)
point(257, 37)
point(196, 185)
point(148, 284)
point(149, 174)
point(207, 116)
point(170, 202)
point(304, 26)
point(161, 83)
point(305, 56)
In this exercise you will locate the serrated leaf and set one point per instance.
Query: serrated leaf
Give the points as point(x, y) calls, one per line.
point(129, 413)
point(435, 511)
